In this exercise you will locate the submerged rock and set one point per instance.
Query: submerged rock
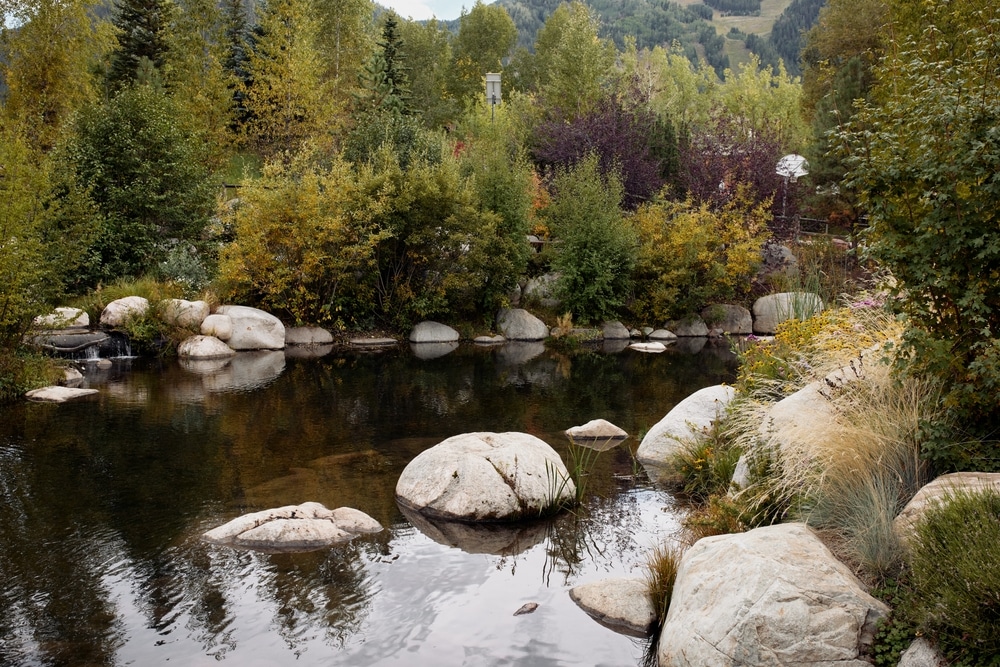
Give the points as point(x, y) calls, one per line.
point(599, 434)
point(58, 394)
point(486, 477)
point(622, 604)
point(304, 527)
point(770, 596)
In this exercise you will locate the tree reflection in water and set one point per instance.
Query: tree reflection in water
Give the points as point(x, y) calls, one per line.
point(102, 504)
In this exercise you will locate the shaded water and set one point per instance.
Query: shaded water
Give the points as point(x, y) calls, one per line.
point(102, 503)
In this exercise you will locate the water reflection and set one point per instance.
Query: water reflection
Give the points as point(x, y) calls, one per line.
point(101, 506)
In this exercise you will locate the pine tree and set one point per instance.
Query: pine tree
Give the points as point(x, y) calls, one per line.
point(142, 33)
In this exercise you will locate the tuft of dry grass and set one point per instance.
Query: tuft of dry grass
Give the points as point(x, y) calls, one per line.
point(661, 573)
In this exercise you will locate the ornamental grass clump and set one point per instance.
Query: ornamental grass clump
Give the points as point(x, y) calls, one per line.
point(955, 578)
point(661, 573)
point(849, 458)
point(704, 466)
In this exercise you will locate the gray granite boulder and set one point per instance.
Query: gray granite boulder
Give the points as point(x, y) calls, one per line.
point(615, 331)
point(433, 332)
point(691, 327)
point(519, 324)
point(623, 604)
point(217, 325)
point(118, 311)
point(307, 336)
point(58, 394)
point(771, 310)
point(63, 318)
point(485, 477)
point(938, 492)
point(204, 347)
point(541, 290)
point(254, 329)
point(770, 596)
point(304, 527)
point(686, 422)
point(184, 314)
point(662, 335)
point(728, 318)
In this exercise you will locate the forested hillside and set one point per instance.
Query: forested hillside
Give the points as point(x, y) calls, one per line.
point(663, 23)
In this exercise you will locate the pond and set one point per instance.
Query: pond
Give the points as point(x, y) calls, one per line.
point(102, 503)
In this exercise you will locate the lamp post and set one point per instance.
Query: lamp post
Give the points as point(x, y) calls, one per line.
point(492, 91)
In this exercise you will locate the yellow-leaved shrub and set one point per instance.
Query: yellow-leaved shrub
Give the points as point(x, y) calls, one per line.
point(692, 255)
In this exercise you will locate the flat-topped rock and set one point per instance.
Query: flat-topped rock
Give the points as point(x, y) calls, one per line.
point(489, 340)
point(433, 332)
point(304, 527)
point(56, 394)
point(652, 348)
point(621, 604)
point(373, 342)
point(308, 336)
point(486, 477)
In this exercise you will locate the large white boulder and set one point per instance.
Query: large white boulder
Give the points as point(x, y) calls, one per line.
point(433, 332)
point(63, 318)
point(615, 330)
point(118, 311)
point(486, 477)
point(771, 310)
point(302, 527)
point(254, 329)
point(519, 324)
point(771, 596)
point(184, 314)
point(622, 604)
point(204, 347)
point(688, 420)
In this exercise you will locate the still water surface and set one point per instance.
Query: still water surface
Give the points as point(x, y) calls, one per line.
point(102, 503)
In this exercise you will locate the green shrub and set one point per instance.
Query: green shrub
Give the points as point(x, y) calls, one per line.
point(22, 371)
point(595, 247)
point(704, 466)
point(956, 581)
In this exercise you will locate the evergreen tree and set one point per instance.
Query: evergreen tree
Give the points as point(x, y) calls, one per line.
point(384, 81)
point(236, 61)
point(142, 33)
